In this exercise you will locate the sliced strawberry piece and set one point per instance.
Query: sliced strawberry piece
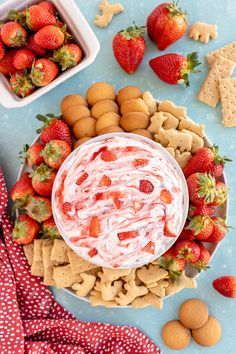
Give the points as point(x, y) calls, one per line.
point(66, 206)
point(140, 162)
point(108, 156)
point(118, 203)
point(166, 196)
point(94, 227)
point(93, 252)
point(145, 186)
point(99, 196)
point(82, 178)
point(150, 247)
point(127, 234)
point(105, 181)
point(137, 206)
point(169, 230)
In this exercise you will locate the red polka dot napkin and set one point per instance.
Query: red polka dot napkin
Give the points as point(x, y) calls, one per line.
point(31, 321)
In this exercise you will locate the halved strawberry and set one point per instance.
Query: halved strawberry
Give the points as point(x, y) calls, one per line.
point(94, 227)
point(150, 247)
point(127, 234)
point(166, 196)
point(82, 178)
point(169, 230)
point(105, 181)
point(146, 186)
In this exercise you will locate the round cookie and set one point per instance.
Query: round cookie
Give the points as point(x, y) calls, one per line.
point(107, 120)
point(72, 100)
point(111, 129)
point(74, 113)
point(84, 127)
point(127, 93)
point(134, 120)
point(100, 91)
point(104, 106)
point(134, 105)
point(209, 334)
point(81, 141)
point(175, 335)
point(193, 313)
point(142, 132)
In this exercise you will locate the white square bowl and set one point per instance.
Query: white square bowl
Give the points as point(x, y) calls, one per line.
point(82, 32)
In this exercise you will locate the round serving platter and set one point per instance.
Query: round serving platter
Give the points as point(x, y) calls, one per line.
point(189, 271)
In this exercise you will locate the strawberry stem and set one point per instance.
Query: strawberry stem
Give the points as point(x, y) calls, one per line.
point(217, 158)
point(175, 10)
point(192, 63)
point(46, 119)
point(133, 32)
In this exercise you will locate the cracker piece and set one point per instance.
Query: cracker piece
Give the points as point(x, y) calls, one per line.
point(182, 158)
point(130, 276)
point(94, 271)
point(151, 273)
point(98, 286)
point(147, 300)
point(227, 52)
point(83, 288)
point(171, 151)
point(197, 141)
point(109, 291)
point(78, 264)
point(202, 32)
point(47, 263)
point(171, 122)
point(156, 122)
point(220, 69)
point(59, 252)
point(63, 276)
point(132, 291)
point(150, 102)
point(109, 275)
point(37, 268)
point(194, 127)
point(169, 106)
point(159, 290)
point(96, 300)
point(174, 138)
point(108, 11)
point(228, 99)
point(181, 283)
point(29, 252)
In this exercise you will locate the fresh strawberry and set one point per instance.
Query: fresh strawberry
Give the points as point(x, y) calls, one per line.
point(201, 226)
point(49, 37)
point(55, 152)
point(169, 230)
point(187, 250)
point(38, 17)
point(67, 56)
point(39, 208)
point(22, 191)
point(53, 129)
point(170, 262)
point(50, 230)
point(31, 154)
point(94, 226)
point(145, 186)
point(93, 252)
point(166, 24)
point(13, 34)
point(174, 69)
point(25, 230)
point(140, 162)
point(149, 248)
point(201, 188)
point(221, 194)
point(108, 156)
point(43, 72)
point(23, 59)
point(203, 260)
point(202, 209)
point(226, 286)
point(186, 234)
point(2, 49)
point(42, 180)
point(166, 196)
point(127, 234)
point(48, 6)
point(207, 160)
point(35, 48)
point(219, 230)
point(6, 64)
point(105, 181)
point(129, 48)
point(21, 84)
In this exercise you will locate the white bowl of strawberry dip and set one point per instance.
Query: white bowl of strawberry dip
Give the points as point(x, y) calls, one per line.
point(120, 200)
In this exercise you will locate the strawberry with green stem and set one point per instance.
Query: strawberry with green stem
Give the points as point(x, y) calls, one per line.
point(219, 231)
point(50, 230)
point(129, 47)
point(39, 208)
point(221, 194)
point(170, 262)
point(52, 37)
point(22, 191)
point(13, 34)
point(67, 56)
point(25, 230)
point(174, 69)
point(202, 188)
point(32, 154)
point(202, 209)
point(42, 180)
point(187, 250)
point(21, 83)
point(38, 17)
point(55, 152)
point(47, 5)
point(23, 59)
point(43, 72)
point(203, 260)
point(201, 226)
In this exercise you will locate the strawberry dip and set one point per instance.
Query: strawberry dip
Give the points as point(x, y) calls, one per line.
point(120, 201)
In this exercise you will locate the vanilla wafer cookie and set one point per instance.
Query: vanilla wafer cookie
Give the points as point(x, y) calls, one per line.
point(210, 93)
point(227, 52)
point(228, 99)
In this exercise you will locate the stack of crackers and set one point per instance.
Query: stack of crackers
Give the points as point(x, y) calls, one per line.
point(219, 84)
point(62, 267)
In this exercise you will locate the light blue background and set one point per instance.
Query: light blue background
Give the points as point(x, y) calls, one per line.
point(17, 127)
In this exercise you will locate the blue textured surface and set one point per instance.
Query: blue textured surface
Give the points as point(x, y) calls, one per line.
point(18, 127)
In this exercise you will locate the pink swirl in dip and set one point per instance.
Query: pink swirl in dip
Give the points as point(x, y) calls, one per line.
point(118, 201)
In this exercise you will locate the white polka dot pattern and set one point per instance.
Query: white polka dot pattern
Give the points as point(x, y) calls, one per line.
point(34, 323)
